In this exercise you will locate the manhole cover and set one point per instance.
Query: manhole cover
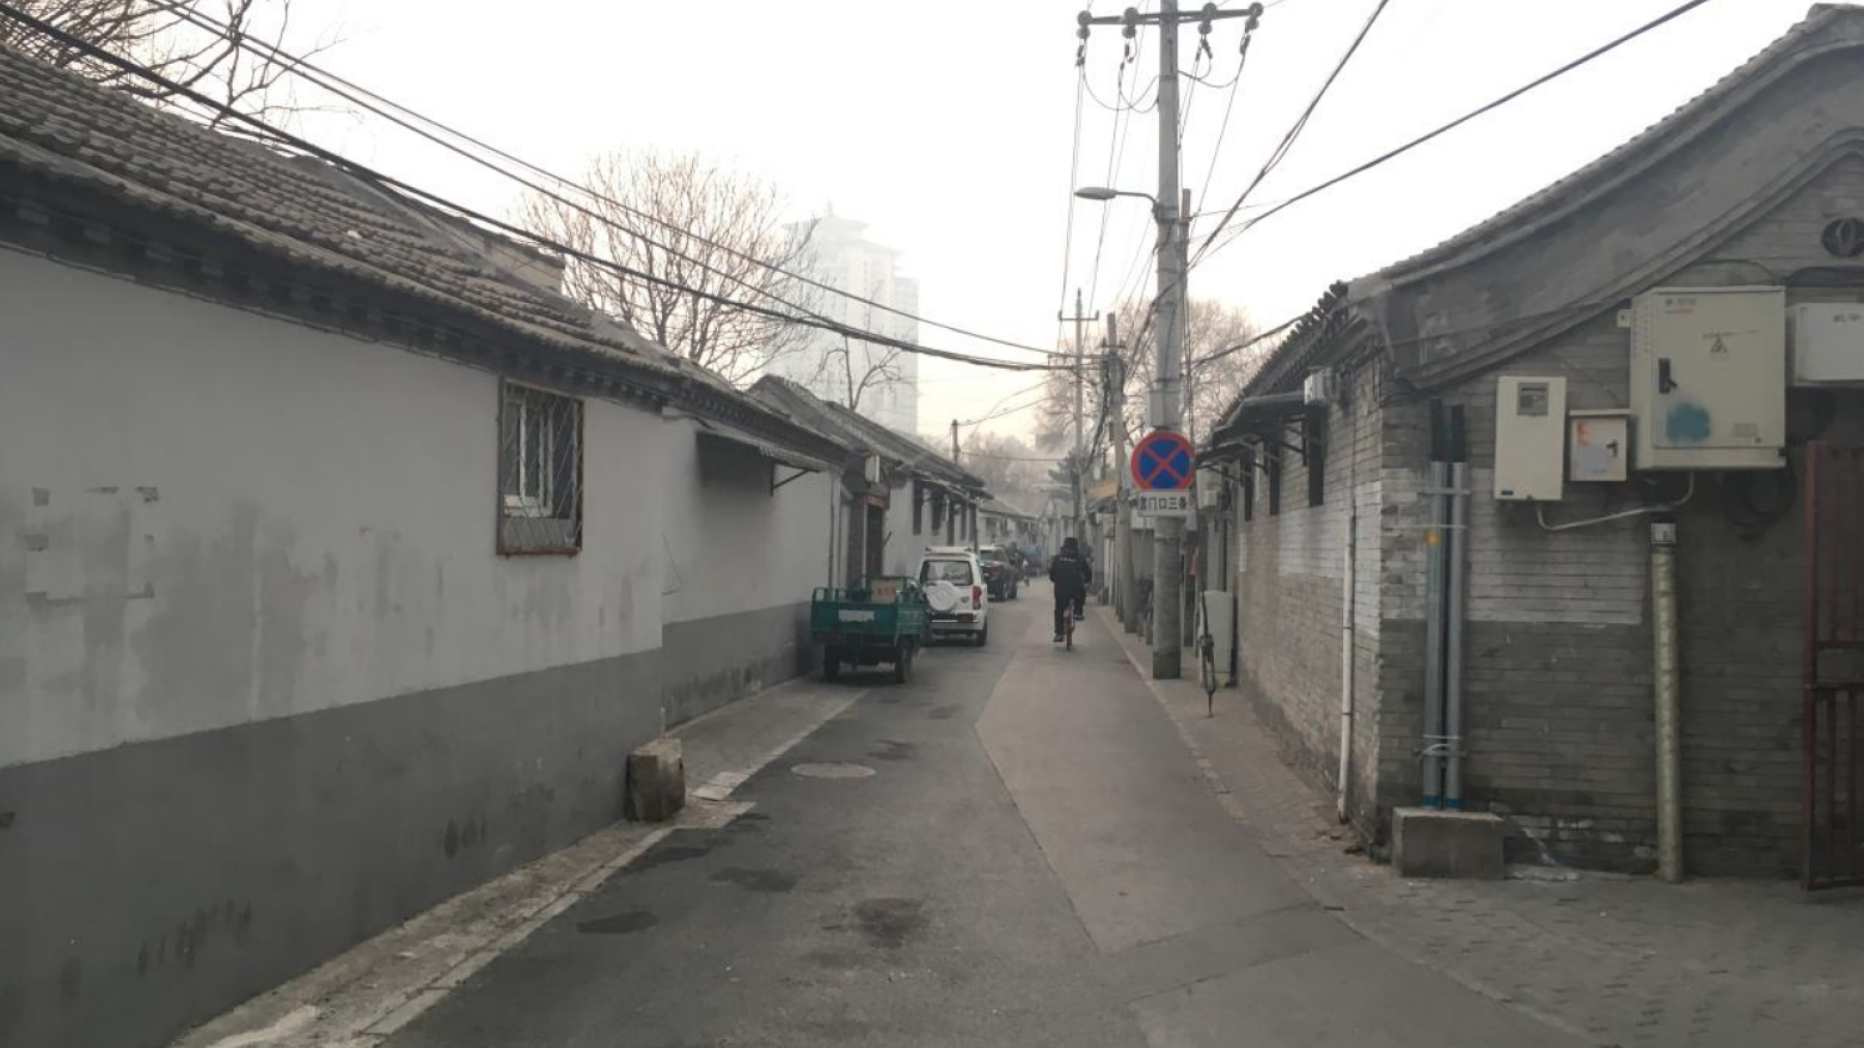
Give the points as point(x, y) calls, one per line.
point(835, 770)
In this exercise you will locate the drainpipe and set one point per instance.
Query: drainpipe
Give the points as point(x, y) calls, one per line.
point(1668, 689)
point(1456, 545)
point(1348, 589)
point(1349, 606)
point(834, 511)
point(1436, 480)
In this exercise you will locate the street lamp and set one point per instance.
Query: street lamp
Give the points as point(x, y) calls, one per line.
point(1102, 194)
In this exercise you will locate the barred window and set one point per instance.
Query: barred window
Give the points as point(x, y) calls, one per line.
point(540, 471)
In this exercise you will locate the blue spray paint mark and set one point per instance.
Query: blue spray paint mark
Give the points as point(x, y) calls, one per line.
point(1687, 424)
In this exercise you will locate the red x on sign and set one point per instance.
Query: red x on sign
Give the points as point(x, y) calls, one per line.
point(1164, 461)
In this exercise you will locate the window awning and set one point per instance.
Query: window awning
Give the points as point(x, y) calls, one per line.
point(719, 432)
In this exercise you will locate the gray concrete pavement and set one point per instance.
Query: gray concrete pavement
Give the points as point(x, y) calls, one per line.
point(1616, 960)
point(1035, 858)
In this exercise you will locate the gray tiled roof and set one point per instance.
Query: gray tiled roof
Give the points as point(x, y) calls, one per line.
point(1576, 187)
point(1826, 28)
point(311, 215)
point(859, 431)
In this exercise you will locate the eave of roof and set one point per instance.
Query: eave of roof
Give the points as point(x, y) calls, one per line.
point(1827, 29)
point(868, 435)
point(1822, 31)
point(83, 139)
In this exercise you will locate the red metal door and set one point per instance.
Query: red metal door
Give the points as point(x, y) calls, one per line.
point(1834, 667)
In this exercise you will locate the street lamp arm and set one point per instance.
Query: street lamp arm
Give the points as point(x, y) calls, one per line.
point(1103, 194)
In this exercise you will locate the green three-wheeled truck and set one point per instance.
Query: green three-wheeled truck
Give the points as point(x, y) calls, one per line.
point(880, 619)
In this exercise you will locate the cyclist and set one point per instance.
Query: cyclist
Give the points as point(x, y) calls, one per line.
point(1070, 573)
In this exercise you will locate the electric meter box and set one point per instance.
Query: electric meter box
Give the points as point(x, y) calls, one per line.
point(1530, 439)
point(1708, 378)
point(1598, 446)
point(1828, 344)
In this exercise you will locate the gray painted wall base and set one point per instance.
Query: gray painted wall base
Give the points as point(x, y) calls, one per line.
point(709, 663)
point(153, 885)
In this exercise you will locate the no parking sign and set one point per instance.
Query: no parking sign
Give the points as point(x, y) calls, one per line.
point(1163, 467)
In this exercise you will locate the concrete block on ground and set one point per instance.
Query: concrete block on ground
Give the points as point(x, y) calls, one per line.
point(656, 781)
point(1427, 842)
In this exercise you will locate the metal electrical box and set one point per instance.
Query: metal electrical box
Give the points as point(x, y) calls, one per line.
point(1598, 446)
point(1828, 344)
point(1708, 378)
point(1321, 388)
point(1530, 439)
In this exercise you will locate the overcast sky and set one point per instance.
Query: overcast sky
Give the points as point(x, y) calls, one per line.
point(949, 127)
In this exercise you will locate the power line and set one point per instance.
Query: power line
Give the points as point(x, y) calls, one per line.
point(1294, 131)
point(992, 412)
point(1490, 106)
point(969, 454)
point(1223, 129)
point(348, 90)
point(1074, 170)
point(1391, 154)
point(1116, 154)
point(432, 199)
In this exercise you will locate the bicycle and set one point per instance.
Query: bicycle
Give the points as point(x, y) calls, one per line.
point(1067, 626)
point(1207, 658)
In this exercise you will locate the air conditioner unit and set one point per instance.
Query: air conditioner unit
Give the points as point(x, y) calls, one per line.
point(1209, 488)
point(1321, 388)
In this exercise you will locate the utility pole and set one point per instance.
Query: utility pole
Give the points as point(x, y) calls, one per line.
point(1168, 532)
point(1122, 515)
point(1165, 410)
point(954, 440)
point(1077, 460)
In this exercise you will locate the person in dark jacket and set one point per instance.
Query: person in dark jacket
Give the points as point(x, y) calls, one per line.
point(1070, 573)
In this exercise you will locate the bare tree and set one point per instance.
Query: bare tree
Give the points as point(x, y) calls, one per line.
point(705, 234)
point(861, 368)
point(1214, 374)
point(223, 49)
point(1005, 462)
point(857, 367)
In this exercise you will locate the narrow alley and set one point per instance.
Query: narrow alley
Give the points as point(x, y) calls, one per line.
point(514, 538)
point(1015, 848)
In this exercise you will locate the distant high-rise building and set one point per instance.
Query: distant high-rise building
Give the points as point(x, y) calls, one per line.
point(842, 257)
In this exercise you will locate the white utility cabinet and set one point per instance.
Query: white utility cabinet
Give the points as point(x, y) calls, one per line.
point(1530, 439)
point(1708, 378)
point(1828, 344)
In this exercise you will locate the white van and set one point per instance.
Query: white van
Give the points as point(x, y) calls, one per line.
point(954, 586)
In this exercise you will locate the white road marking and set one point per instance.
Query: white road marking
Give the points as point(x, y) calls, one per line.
point(290, 1022)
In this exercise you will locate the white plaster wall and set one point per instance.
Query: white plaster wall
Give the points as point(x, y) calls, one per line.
point(731, 544)
point(904, 548)
point(209, 517)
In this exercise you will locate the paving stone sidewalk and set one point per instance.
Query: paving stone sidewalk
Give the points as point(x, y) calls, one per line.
point(1616, 960)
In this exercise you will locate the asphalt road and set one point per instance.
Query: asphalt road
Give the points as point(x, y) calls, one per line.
point(1015, 848)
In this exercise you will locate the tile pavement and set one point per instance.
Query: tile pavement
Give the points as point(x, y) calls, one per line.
point(1616, 960)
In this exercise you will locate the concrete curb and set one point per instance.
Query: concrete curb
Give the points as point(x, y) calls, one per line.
point(362, 997)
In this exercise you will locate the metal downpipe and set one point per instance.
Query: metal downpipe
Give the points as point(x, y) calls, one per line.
point(1348, 589)
point(1435, 482)
point(1456, 544)
point(1668, 688)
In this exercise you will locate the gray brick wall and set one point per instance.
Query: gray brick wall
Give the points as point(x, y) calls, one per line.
point(1291, 575)
point(1559, 723)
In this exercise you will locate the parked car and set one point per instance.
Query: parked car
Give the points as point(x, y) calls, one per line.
point(1000, 574)
point(955, 590)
